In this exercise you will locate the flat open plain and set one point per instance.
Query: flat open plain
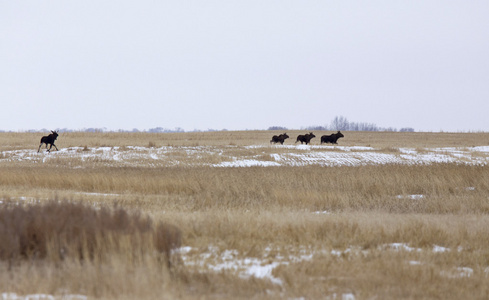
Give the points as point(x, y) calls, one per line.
point(378, 216)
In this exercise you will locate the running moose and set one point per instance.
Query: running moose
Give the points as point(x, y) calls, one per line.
point(49, 140)
point(306, 138)
point(279, 138)
point(332, 138)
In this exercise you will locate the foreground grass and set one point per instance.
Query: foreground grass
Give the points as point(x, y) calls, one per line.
point(443, 188)
point(323, 231)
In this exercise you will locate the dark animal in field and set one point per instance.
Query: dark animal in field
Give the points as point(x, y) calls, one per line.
point(49, 140)
point(332, 138)
point(279, 138)
point(306, 138)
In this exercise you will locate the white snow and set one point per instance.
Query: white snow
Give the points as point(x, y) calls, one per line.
point(465, 271)
point(440, 249)
point(256, 155)
point(14, 296)
point(245, 267)
point(400, 247)
point(98, 194)
point(324, 212)
point(458, 272)
point(247, 163)
point(230, 260)
point(412, 197)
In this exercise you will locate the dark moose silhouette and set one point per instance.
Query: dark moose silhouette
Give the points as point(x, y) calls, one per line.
point(49, 140)
point(332, 138)
point(279, 138)
point(306, 138)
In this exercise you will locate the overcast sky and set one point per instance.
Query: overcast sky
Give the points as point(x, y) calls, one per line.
point(244, 64)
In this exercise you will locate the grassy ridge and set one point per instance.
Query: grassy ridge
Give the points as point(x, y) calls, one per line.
point(445, 188)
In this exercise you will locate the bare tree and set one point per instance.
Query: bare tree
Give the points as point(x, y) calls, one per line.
point(340, 123)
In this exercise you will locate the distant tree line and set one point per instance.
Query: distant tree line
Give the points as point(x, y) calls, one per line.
point(338, 123)
point(134, 130)
point(342, 123)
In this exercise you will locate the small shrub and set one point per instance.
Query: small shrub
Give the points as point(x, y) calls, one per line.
point(58, 229)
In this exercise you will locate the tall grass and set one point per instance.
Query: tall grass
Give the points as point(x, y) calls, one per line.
point(56, 230)
point(444, 188)
point(67, 239)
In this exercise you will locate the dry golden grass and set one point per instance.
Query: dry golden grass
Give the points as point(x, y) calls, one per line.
point(13, 140)
point(334, 226)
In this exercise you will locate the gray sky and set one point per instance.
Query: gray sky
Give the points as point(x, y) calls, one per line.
point(244, 64)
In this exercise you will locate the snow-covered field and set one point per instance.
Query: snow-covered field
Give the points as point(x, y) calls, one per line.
point(248, 156)
point(232, 262)
point(245, 267)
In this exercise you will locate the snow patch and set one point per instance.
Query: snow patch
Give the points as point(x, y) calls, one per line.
point(324, 212)
point(247, 163)
point(440, 249)
point(412, 197)
point(400, 247)
point(246, 267)
point(14, 296)
point(459, 272)
point(98, 194)
point(347, 296)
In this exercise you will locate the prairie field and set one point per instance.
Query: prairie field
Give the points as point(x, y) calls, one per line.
point(227, 215)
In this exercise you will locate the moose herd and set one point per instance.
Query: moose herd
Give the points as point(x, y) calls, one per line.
point(303, 138)
point(306, 138)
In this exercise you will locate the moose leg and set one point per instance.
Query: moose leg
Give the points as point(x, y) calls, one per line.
point(55, 147)
point(38, 149)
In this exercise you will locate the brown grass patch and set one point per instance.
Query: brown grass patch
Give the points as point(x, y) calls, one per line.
point(56, 230)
